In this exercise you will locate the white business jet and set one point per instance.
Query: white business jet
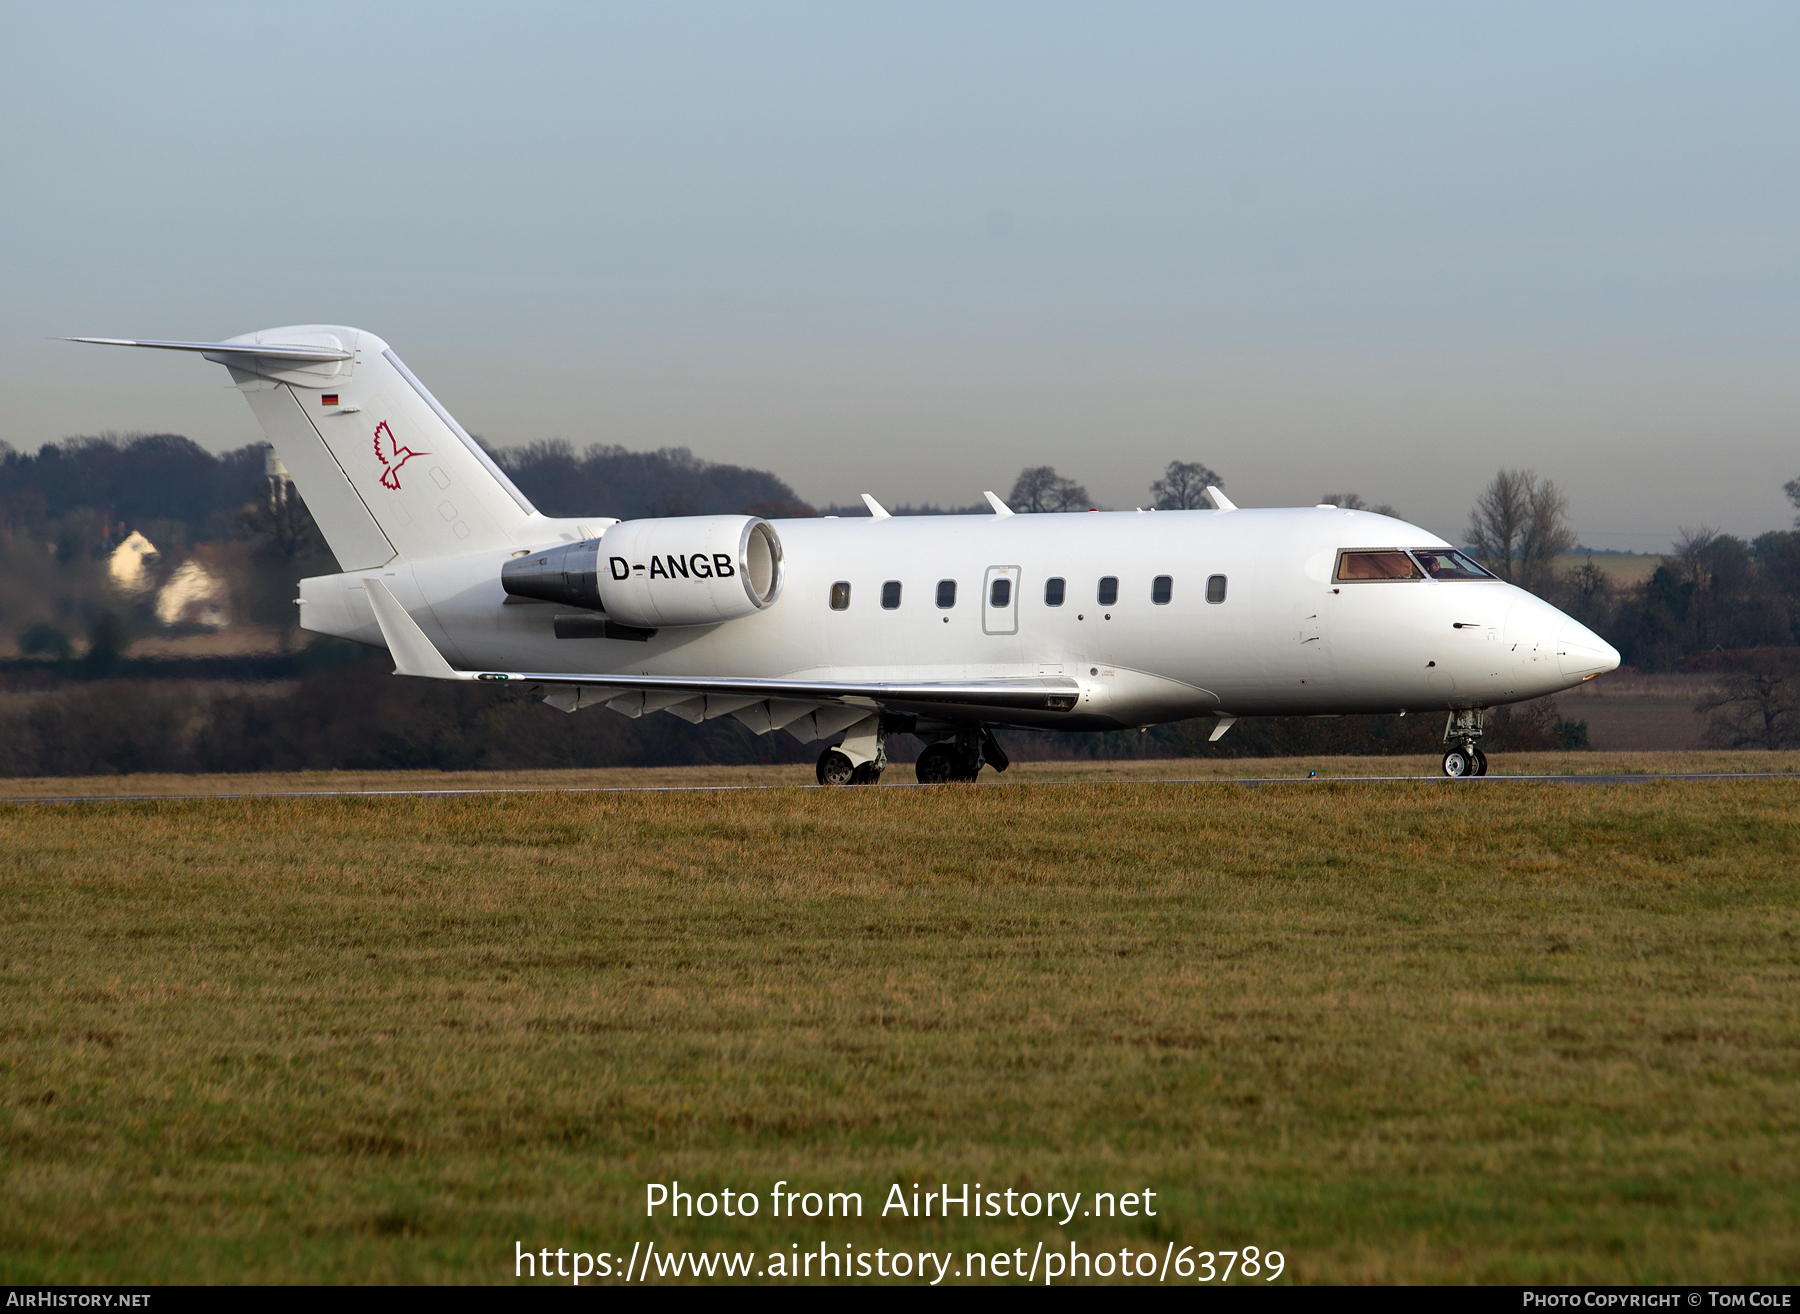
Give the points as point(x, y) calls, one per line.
point(939, 626)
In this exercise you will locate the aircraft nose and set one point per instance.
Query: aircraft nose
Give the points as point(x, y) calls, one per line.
point(1581, 653)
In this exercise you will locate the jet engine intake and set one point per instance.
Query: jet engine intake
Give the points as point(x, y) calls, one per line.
point(684, 570)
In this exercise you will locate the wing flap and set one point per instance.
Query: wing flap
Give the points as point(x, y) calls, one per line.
point(1039, 694)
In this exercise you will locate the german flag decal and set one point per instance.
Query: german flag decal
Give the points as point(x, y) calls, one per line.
point(329, 399)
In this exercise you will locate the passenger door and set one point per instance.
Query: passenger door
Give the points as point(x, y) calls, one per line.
point(1000, 600)
point(1313, 659)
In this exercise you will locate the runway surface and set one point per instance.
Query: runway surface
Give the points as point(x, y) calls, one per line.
point(1469, 782)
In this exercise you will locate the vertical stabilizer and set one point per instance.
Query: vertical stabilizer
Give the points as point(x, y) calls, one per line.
point(386, 472)
point(421, 484)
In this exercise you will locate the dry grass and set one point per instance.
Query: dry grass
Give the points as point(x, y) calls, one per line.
point(1402, 1032)
point(233, 641)
point(1712, 762)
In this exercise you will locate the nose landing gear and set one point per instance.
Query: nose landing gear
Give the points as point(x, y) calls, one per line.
point(1465, 728)
point(1460, 762)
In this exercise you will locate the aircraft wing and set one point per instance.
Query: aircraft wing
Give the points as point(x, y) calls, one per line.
point(415, 655)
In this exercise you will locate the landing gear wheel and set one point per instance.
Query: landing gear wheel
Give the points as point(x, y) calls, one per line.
point(942, 764)
point(1480, 763)
point(938, 765)
point(836, 769)
point(865, 774)
point(1458, 764)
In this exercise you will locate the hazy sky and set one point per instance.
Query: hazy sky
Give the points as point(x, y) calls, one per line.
point(910, 249)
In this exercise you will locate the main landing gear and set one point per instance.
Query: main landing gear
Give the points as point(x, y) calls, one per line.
point(836, 769)
point(962, 758)
point(860, 759)
point(1465, 759)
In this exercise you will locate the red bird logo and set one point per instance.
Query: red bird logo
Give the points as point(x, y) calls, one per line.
point(390, 477)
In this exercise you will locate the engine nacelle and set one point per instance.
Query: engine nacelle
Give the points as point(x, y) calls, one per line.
point(685, 570)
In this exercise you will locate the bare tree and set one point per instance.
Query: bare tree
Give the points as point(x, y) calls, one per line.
point(1792, 489)
point(1690, 553)
point(1040, 488)
point(1757, 703)
point(1587, 595)
point(1520, 526)
point(1183, 486)
point(1353, 502)
point(1497, 523)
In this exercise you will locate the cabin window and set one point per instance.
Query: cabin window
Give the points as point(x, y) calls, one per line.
point(1215, 588)
point(1053, 592)
point(1109, 590)
point(1378, 565)
point(1162, 588)
point(1445, 564)
point(890, 595)
point(946, 593)
point(1000, 595)
point(840, 596)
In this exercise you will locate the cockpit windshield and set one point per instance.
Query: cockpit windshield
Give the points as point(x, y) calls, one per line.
point(1442, 563)
point(1390, 564)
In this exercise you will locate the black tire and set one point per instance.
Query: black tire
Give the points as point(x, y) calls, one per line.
point(938, 765)
point(865, 774)
point(835, 769)
point(1480, 763)
point(1457, 764)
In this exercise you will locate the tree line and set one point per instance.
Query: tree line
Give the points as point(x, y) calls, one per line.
point(71, 495)
point(75, 494)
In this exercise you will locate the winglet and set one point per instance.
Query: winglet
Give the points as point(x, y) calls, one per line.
point(413, 653)
point(1000, 508)
point(1217, 496)
point(876, 509)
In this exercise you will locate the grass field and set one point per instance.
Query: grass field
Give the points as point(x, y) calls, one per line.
point(1410, 1032)
point(1697, 761)
point(1627, 711)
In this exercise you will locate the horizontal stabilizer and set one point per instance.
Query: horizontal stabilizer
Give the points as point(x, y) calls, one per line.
point(267, 351)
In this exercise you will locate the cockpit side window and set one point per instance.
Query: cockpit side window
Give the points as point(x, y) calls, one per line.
point(1442, 563)
point(1386, 564)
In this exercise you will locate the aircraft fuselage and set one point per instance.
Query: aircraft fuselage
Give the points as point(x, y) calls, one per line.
point(1285, 637)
